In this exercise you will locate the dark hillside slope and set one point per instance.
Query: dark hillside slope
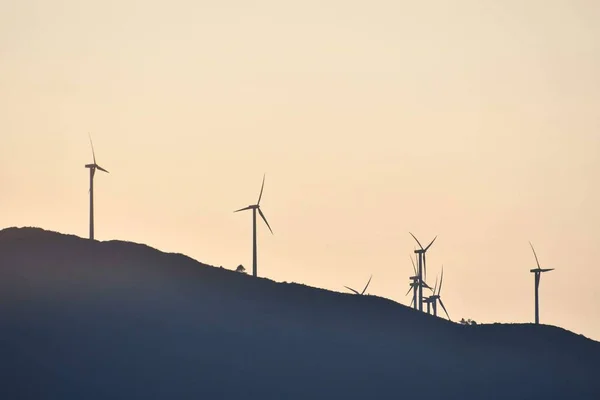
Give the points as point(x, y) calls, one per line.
point(98, 320)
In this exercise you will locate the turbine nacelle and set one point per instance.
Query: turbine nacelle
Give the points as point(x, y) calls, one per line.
point(96, 166)
point(251, 207)
point(538, 270)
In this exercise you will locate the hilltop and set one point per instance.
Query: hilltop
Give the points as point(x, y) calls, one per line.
point(96, 320)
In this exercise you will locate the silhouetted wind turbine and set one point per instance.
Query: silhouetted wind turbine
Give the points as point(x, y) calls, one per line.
point(422, 266)
point(435, 297)
point(363, 292)
point(254, 208)
point(430, 299)
point(538, 272)
point(414, 284)
point(93, 167)
point(427, 302)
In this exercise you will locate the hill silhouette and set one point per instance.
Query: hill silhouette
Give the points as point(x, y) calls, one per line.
point(84, 319)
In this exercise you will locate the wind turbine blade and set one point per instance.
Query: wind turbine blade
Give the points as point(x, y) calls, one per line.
point(264, 219)
point(547, 269)
point(442, 304)
point(412, 301)
point(426, 248)
point(349, 288)
point(409, 290)
point(363, 292)
point(441, 281)
point(413, 264)
point(92, 144)
point(424, 267)
point(435, 287)
point(101, 169)
point(535, 255)
point(419, 243)
point(242, 209)
point(261, 190)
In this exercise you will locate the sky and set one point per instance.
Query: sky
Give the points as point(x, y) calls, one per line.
point(476, 121)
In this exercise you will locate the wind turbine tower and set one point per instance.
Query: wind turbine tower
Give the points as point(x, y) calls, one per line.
point(537, 273)
point(93, 167)
point(255, 208)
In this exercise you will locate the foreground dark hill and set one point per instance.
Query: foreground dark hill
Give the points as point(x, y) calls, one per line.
point(100, 320)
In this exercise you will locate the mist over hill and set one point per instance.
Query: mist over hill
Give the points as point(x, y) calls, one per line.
point(84, 319)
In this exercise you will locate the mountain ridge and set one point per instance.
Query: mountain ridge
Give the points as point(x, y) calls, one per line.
point(126, 297)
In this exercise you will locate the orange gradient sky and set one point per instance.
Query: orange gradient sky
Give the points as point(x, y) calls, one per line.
point(478, 121)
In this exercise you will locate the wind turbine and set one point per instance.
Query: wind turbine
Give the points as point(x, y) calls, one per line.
point(538, 272)
point(429, 300)
point(254, 208)
point(363, 291)
point(414, 284)
point(422, 266)
point(435, 297)
point(93, 167)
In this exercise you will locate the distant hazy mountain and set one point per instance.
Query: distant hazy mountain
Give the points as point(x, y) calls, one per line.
point(116, 320)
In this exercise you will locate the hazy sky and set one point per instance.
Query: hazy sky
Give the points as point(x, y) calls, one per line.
point(478, 121)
